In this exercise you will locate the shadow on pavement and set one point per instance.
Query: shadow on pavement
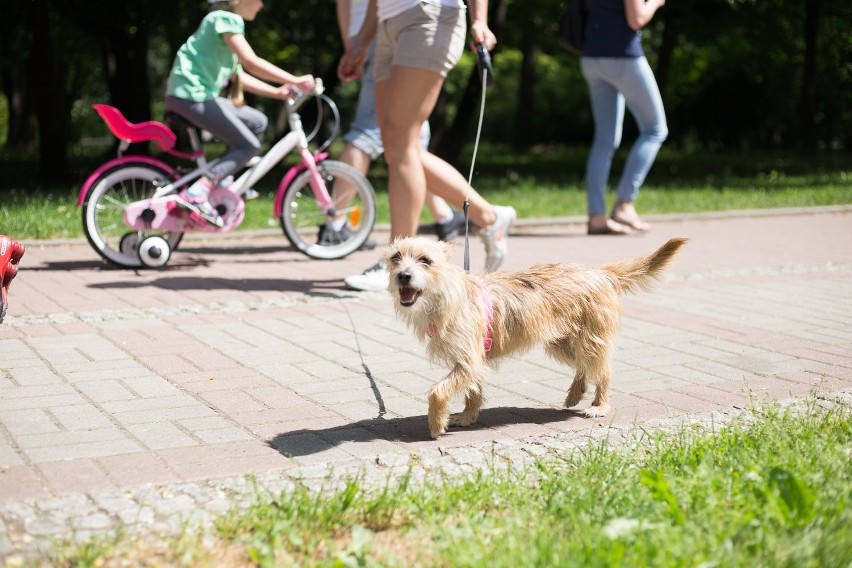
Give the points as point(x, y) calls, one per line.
point(71, 265)
point(216, 283)
point(411, 429)
point(236, 250)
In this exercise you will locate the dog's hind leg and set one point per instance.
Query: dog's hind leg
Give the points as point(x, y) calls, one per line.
point(576, 391)
point(563, 352)
point(602, 374)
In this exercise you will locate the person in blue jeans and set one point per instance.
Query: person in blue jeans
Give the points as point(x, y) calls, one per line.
point(363, 140)
point(614, 66)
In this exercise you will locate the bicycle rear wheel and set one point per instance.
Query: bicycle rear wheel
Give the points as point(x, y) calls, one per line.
point(305, 224)
point(103, 212)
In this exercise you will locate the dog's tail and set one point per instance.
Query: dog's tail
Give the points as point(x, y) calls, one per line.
point(633, 273)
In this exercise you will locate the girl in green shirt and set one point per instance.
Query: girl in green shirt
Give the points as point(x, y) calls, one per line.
point(215, 54)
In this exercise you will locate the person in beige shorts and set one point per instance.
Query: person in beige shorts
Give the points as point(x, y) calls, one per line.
point(417, 44)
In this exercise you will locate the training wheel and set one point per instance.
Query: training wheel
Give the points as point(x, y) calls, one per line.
point(154, 251)
point(129, 243)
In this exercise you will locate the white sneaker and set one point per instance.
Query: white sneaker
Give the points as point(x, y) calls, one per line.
point(496, 237)
point(373, 279)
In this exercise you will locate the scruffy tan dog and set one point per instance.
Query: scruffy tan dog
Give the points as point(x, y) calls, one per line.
point(471, 322)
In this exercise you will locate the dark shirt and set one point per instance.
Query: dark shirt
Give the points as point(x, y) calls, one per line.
point(607, 32)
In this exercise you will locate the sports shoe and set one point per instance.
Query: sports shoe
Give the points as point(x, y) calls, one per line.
point(451, 229)
point(373, 279)
point(337, 236)
point(200, 205)
point(250, 194)
point(496, 237)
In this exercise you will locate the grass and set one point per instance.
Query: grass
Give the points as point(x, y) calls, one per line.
point(543, 182)
point(772, 489)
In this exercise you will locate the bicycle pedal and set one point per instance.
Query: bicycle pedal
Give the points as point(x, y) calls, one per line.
point(250, 194)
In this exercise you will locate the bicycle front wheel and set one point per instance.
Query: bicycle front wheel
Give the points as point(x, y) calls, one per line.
point(310, 230)
point(103, 212)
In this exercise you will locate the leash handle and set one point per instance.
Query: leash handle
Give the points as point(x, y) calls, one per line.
point(483, 62)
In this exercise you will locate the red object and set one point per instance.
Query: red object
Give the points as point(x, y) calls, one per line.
point(11, 252)
point(141, 132)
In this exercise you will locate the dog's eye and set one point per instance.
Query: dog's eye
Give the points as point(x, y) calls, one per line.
point(425, 260)
point(396, 258)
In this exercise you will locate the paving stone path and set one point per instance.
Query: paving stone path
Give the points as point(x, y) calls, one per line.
point(145, 397)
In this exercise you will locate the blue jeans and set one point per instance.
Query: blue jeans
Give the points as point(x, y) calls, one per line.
point(614, 81)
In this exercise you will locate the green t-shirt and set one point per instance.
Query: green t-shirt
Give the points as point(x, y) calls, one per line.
point(204, 63)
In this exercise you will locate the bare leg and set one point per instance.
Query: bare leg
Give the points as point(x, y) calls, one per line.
point(446, 181)
point(343, 190)
point(403, 102)
point(439, 208)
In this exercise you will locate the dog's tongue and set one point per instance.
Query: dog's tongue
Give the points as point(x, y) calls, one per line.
point(407, 295)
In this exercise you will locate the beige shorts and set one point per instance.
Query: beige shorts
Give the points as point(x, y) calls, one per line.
point(426, 36)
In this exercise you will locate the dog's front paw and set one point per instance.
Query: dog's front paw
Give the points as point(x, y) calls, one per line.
point(436, 432)
point(438, 425)
point(573, 399)
point(596, 411)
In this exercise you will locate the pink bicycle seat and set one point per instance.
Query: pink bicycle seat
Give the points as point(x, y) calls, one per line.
point(158, 132)
point(11, 252)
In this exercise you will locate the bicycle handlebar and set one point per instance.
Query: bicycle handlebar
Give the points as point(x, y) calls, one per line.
point(299, 96)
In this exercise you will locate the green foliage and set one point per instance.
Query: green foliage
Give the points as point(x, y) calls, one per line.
point(546, 182)
point(771, 489)
point(739, 73)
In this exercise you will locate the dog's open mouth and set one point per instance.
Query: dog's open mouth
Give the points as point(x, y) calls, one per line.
point(407, 295)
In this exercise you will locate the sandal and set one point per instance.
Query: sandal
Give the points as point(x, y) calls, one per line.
point(612, 227)
point(635, 224)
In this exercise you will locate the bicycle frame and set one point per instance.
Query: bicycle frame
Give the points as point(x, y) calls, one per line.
point(164, 137)
point(133, 214)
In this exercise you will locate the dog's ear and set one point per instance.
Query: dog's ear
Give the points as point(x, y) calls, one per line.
point(391, 250)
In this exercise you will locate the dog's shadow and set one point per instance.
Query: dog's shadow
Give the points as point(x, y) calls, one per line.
point(410, 429)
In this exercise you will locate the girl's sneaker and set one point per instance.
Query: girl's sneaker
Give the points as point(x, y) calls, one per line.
point(196, 199)
point(200, 205)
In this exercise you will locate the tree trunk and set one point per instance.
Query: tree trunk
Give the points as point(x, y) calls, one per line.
point(52, 105)
point(667, 46)
point(125, 59)
point(20, 132)
point(806, 111)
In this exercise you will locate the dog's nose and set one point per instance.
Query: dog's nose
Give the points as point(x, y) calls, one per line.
point(404, 277)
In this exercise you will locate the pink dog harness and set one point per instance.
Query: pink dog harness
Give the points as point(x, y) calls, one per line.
point(489, 316)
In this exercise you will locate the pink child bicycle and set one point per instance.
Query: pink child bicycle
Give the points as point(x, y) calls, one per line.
point(131, 217)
